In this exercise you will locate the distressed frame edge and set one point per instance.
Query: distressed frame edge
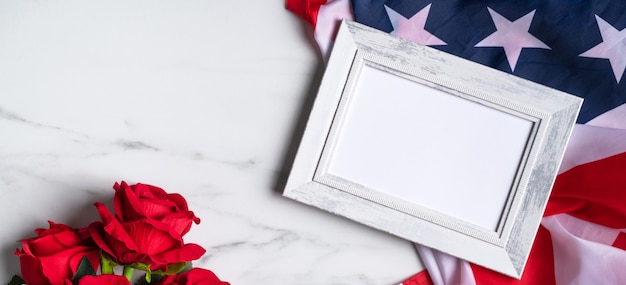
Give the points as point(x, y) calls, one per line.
point(336, 72)
point(301, 188)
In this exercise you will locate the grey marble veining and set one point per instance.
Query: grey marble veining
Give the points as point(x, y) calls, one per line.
point(197, 97)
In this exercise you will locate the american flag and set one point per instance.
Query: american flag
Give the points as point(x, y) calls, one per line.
point(576, 46)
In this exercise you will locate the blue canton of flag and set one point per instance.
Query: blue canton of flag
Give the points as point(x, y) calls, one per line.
point(577, 46)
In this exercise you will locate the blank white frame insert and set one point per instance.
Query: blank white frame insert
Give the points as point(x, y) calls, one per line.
point(471, 152)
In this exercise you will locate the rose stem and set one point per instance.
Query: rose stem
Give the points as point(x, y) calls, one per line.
point(105, 265)
point(128, 272)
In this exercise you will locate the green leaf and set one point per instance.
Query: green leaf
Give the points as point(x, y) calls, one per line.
point(84, 268)
point(158, 274)
point(16, 280)
point(188, 267)
point(176, 268)
point(144, 267)
point(157, 277)
point(154, 278)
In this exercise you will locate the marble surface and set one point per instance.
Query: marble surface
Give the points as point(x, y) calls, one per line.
point(204, 98)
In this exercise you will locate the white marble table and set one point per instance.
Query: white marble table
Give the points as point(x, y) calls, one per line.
point(203, 98)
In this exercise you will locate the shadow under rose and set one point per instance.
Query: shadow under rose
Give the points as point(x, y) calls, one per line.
point(87, 213)
point(9, 260)
point(80, 215)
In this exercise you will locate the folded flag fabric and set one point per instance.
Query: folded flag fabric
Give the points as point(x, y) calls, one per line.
point(575, 46)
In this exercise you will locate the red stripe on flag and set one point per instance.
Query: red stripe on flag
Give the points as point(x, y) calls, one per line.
point(594, 192)
point(539, 267)
point(421, 278)
point(620, 241)
point(306, 9)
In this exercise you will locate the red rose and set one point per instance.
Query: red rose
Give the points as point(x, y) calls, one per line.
point(141, 201)
point(148, 227)
point(105, 279)
point(53, 256)
point(195, 276)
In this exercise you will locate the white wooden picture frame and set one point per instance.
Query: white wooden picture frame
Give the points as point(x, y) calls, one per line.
point(432, 148)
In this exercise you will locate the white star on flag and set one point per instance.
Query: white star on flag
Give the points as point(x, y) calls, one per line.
point(412, 29)
point(512, 36)
point(612, 47)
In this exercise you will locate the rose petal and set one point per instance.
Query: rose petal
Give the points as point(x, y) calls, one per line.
point(54, 256)
point(155, 193)
point(106, 279)
point(61, 265)
point(152, 237)
point(83, 234)
point(188, 252)
point(50, 244)
point(92, 254)
point(163, 205)
point(195, 276)
point(31, 269)
point(124, 211)
point(121, 254)
point(26, 248)
point(180, 221)
point(203, 276)
point(127, 205)
point(115, 235)
point(54, 228)
point(150, 191)
point(156, 209)
point(139, 201)
point(96, 231)
point(179, 200)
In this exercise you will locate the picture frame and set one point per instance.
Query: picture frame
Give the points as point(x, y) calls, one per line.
point(432, 148)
